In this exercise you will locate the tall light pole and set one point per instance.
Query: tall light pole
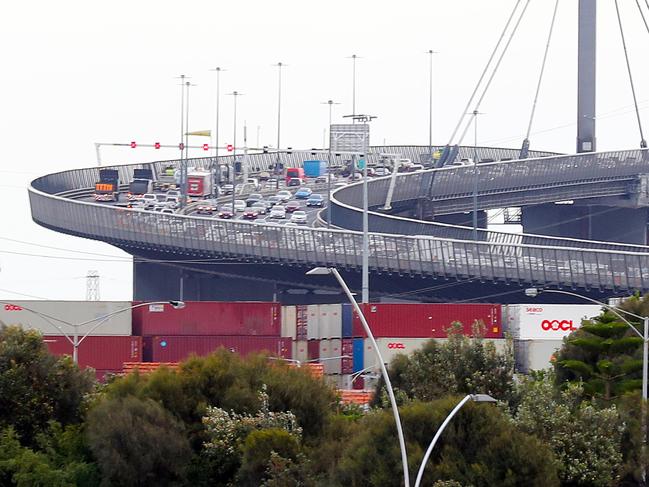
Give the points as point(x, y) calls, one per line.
point(234, 95)
point(331, 103)
point(279, 118)
point(533, 292)
point(469, 397)
point(218, 70)
point(353, 57)
point(74, 340)
point(430, 104)
point(181, 145)
point(320, 271)
point(187, 84)
point(475, 114)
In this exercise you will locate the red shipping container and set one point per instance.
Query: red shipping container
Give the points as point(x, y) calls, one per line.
point(313, 350)
point(347, 349)
point(428, 320)
point(209, 318)
point(358, 383)
point(99, 352)
point(172, 348)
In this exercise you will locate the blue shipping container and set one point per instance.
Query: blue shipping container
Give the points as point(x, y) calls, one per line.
point(348, 321)
point(313, 169)
point(359, 350)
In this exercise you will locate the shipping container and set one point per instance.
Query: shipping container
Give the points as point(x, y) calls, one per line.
point(57, 317)
point(313, 350)
point(173, 348)
point(347, 320)
point(330, 321)
point(99, 352)
point(301, 350)
point(313, 322)
point(347, 351)
point(535, 354)
point(213, 318)
point(546, 321)
point(301, 322)
point(428, 320)
point(358, 383)
point(330, 355)
point(391, 347)
point(359, 354)
point(313, 169)
point(289, 322)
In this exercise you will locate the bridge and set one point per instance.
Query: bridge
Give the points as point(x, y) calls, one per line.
point(407, 256)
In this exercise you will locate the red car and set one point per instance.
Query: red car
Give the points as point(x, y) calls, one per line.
point(292, 206)
point(225, 213)
point(250, 214)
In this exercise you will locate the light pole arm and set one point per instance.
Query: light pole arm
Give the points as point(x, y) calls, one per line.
point(384, 373)
point(422, 467)
point(48, 319)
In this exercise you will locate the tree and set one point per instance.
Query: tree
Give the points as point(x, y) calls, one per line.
point(603, 355)
point(137, 442)
point(258, 450)
point(586, 441)
point(37, 387)
point(480, 446)
point(461, 365)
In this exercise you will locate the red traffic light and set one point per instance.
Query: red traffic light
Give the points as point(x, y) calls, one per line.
point(133, 145)
point(206, 147)
point(156, 145)
point(230, 147)
point(181, 146)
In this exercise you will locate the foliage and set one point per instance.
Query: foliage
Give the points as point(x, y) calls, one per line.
point(480, 446)
point(286, 472)
point(257, 454)
point(35, 386)
point(137, 442)
point(604, 355)
point(586, 441)
point(462, 365)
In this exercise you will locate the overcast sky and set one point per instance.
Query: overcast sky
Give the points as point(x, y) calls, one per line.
point(79, 72)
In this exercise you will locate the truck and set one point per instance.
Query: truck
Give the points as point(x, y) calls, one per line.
point(107, 188)
point(313, 169)
point(294, 172)
point(141, 184)
point(169, 178)
point(199, 184)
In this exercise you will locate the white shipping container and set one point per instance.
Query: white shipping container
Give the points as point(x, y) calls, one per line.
point(57, 317)
point(330, 321)
point(546, 321)
point(300, 350)
point(289, 316)
point(391, 347)
point(312, 322)
point(328, 350)
point(535, 354)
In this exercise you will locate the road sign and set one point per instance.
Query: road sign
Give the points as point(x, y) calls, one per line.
point(181, 146)
point(156, 145)
point(206, 147)
point(361, 164)
point(133, 145)
point(230, 147)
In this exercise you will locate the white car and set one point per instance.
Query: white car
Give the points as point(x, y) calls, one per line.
point(382, 171)
point(285, 195)
point(298, 217)
point(239, 205)
point(278, 211)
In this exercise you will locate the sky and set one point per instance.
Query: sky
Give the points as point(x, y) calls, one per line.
point(76, 73)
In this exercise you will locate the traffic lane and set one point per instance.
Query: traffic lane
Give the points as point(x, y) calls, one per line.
point(311, 214)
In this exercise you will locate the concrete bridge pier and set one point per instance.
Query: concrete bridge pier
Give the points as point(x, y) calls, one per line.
point(592, 222)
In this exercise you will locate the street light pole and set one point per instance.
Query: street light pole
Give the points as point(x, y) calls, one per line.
point(279, 116)
point(183, 162)
point(384, 372)
point(234, 94)
point(353, 57)
point(533, 292)
point(469, 397)
point(430, 105)
point(475, 174)
point(218, 70)
point(331, 103)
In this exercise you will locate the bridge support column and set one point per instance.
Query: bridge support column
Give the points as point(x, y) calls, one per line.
point(603, 223)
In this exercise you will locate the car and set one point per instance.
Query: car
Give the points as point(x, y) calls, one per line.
point(417, 167)
point(298, 217)
point(357, 176)
point(173, 192)
point(167, 211)
point(315, 200)
point(261, 207)
point(226, 212)
point(264, 176)
point(254, 182)
point(250, 214)
point(284, 195)
point(294, 182)
point(291, 224)
point(382, 171)
point(278, 211)
point(150, 198)
point(239, 205)
point(271, 182)
point(206, 208)
point(321, 179)
point(227, 189)
point(253, 198)
point(303, 193)
point(275, 200)
point(292, 206)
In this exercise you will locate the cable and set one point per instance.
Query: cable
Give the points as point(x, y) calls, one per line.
point(493, 74)
point(59, 248)
point(484, 72)
point(637, 2)
point(545, 57)
point(23, 294)
point(643, 142)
